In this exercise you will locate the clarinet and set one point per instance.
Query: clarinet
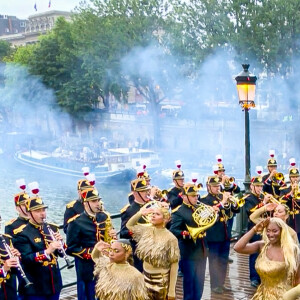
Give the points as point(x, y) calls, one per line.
point(61, 250)
point(19, 268)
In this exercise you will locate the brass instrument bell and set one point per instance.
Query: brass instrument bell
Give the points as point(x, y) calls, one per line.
point(279, 176)
point(205, 217)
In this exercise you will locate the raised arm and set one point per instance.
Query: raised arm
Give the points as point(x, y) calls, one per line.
point(243, 246)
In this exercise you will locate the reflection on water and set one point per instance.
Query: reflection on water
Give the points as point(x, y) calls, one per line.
point(56, 191)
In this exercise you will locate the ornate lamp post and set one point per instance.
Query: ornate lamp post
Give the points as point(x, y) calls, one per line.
point(246, 84)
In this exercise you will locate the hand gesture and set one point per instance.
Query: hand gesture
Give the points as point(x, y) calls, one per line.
point(145, 211)
point(15, 252)
point(103, 247)
point(270, 206)
point(267, 198)
point(112, 233)
point(272, 174)
point(57, 236)
point(216, 208)
point(53, 246)
point(226, 196)
point(259, 227)
point(10, 263)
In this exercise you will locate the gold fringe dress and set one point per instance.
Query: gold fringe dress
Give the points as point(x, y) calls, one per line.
point(118, 281)
point(275, 280)
point(159, 250)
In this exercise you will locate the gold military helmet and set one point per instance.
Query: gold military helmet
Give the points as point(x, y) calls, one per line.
point(34, 203)
point(190, 189)
point(213, 180)
point(90, 194)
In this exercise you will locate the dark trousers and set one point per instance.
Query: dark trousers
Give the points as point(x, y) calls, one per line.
point(85, 288)
point(52, 297)
point(229, 226)
point(193, 278)
point(252, 271)
point(218, 261)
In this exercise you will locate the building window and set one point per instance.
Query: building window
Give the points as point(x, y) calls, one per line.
point(22, 24)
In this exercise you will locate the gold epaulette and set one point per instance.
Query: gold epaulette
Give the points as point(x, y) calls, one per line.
point(19, 229)
point(176, 208)
point(204, 196)
point(71, 204)
point(73, 218)
point(124, 208)
point(10, 222)
point(131, 193)
point(170, 189)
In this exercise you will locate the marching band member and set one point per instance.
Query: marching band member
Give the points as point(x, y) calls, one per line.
point(158, 248)
point(193, 249)
point(217, 236)
point(141, 173)
point(39, 253)
point(174, 194)
point(75, 207)
point(227, 185)
point(116, 278)
point(141, 192)
point(84, 231)
point(273, 180)
point(291, 197)
point(14, 226)
point(8, 286)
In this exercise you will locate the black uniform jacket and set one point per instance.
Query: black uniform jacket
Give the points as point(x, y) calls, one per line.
point(126, 214)
point(252, 203)
point(272, 187)
point(287, 197)
point(73, 208)
point(15, 226)
point(42, 271)
point(174, 197)
point(189, 249)
point(8, 289)
point(83, 233)
point(218, 232)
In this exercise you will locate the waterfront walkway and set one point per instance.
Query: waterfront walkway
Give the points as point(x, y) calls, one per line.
point(237, 279)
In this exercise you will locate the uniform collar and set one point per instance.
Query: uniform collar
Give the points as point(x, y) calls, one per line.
point(188, 205)
point(35, 225)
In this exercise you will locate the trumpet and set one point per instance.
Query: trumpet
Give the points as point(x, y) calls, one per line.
point(205, 217)
point(279, 176)
point(19, 267)
point(272, 198)
point(297, 193)
point(237, 202)
point(61, 250)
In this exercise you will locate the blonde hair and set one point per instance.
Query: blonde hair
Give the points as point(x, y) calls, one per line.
point(289, 248)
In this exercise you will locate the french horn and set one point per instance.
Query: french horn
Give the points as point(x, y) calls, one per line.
point(205, 217)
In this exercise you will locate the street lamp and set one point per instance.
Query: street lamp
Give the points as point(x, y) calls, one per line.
point(246, 83)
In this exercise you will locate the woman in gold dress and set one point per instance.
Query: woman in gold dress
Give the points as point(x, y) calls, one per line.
point(116, 279)
point(158, 248)
point(277, 263)
point(280, 211)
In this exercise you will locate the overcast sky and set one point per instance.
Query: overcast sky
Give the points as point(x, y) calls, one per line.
point(24, 8)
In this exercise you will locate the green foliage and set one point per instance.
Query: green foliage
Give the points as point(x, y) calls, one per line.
point(5, 50)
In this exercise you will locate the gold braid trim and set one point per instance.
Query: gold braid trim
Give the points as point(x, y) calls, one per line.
point(157, 247)
point(118, 281)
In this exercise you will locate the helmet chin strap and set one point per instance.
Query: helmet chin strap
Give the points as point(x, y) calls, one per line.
point(91, 208)
point(35, 221)
point(24, 213)
point(141, 197)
